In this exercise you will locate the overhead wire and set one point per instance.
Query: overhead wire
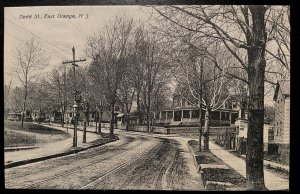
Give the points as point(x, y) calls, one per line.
point(41, 49)
point(37, 36)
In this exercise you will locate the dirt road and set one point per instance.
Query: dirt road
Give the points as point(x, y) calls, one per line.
point(136, 161)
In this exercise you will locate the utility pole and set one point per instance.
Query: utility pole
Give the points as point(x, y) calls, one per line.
point(73, 62)
point(200, 106)
point(86, 114)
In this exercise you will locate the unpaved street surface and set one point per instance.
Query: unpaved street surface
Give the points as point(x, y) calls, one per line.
point(136, 161)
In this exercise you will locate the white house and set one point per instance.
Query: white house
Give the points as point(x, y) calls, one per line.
point(282, 119)
point(241, 134)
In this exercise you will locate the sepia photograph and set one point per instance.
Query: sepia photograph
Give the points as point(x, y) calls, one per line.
point(147, 97)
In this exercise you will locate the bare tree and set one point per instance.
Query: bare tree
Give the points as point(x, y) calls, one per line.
point(29, 58)
point(60, 80)
point(40, 97)
point(97, 92)
point(7, 95)
point(150, 74)
point(17, 99)
point(278, 42)
point(200, 83)
point(242, 31)
point(127, 92)
point(110, 50)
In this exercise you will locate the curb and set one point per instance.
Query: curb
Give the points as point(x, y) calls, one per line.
point(11, 149)
point(272, 166)
point(33, 160)
point(213, 185)
point(194, 158)
point(281, 169)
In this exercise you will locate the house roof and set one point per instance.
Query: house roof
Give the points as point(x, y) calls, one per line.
point(284, 86)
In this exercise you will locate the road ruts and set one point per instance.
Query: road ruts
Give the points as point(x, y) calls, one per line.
point(162, 168)
point(41, 174)
point(134, 162)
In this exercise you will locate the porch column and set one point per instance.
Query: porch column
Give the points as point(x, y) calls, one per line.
point(159, 116)
point(166, 116)
point(173, 116)
point(181, 115)
point(220, 121)
point(230, 118)
point(190, 115)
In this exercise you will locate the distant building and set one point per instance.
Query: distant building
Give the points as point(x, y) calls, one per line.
point(13, 116)
point(282, 119)
point(241, 135)
point(182, 112)
point(94, 116)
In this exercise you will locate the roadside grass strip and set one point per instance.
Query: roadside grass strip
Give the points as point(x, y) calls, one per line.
point(216, 175)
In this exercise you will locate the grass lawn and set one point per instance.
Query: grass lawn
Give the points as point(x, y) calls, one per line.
point(15, 139)
point(30, 127)
point(31, 135)
point(218, 175)
point(224, 175)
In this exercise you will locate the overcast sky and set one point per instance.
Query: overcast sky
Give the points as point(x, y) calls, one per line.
point(58, 35)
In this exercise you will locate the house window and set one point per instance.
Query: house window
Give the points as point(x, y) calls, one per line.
point(177, 102)
point(215, 115)
point(224, 116)
point(70, 114)
point(163, 114)
point(241, 129)
point(183, 102)
point(271, 134)
point(195, 114)
point(186, 114)
point(170, 114)
point(234, 105)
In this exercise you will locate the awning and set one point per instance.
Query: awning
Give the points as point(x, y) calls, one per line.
point(120, 115)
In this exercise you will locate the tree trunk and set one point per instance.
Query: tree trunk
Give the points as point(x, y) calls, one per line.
point(84, 131)
point(40, 116)
point(206, 128)
point(256, 74)
point(63, 118)
point(100, 119)
point(86, 122)
point(127, 124)
point(139, 107)
point(127, 119)
point(24, 108)
point(96, 121)
point(112, 120)
point(200, 105)
point(22, 119)
point(148, 120)
point(200, 128)
point(50, 118)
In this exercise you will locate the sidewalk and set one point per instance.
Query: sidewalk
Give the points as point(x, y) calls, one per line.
point(274, 165)
point(272, 181)
point(51, 150)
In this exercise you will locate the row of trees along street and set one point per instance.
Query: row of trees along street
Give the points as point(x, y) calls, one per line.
point(210, 53)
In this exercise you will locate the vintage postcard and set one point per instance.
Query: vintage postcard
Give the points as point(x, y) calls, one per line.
point(147, 97)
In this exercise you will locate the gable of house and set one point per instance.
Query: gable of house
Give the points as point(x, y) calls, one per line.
point(282, 112)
